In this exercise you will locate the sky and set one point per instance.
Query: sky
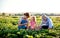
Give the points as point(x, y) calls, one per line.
point(33, 6)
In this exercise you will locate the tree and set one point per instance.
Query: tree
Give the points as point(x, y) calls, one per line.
point(9, 14)
point(3, 14)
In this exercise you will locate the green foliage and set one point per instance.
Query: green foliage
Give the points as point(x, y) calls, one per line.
point(9, 29)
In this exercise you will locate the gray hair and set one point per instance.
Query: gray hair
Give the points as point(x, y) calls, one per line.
point(44, 15)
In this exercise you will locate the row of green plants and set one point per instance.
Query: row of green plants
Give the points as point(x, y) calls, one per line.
point(9, 29)
point(23, 33)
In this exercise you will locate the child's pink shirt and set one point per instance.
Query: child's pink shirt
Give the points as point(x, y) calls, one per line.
point(32, 24)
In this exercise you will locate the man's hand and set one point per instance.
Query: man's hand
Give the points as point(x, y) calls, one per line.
point(49, 28)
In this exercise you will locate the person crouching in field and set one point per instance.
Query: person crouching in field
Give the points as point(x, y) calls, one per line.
point(23, 22)
point(32, 23)
point(46, 22)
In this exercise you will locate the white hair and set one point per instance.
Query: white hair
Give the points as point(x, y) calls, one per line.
point(44, 15)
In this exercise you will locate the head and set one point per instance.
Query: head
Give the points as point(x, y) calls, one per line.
point(44, 17)
point(33, 18)
point(26, 15)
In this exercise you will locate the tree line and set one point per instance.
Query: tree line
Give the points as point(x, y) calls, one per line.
point(5, 14)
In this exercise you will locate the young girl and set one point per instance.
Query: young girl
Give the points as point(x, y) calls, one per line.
point(23, 22)
point(32, 23)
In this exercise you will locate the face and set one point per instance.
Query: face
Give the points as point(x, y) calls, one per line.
point(33, 18)
point(25, 17)
point(44, 18)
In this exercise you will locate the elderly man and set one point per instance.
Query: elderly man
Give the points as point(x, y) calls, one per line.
point(46, 22)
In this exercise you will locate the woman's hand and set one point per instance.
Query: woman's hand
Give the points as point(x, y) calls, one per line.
point(20, 24)
point(25, 23)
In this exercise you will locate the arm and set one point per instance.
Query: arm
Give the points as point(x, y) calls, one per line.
point(50, 24)
point(19, 22)
point(27, 23)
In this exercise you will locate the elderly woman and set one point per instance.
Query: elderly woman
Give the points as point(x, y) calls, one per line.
point(46, 22)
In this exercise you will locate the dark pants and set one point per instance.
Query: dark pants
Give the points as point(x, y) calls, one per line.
point(45, 27)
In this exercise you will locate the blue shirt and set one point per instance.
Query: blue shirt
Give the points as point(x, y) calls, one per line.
point(48, 23)
point(22, 21)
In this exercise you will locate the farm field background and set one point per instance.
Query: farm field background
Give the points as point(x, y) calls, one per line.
point(9, 28)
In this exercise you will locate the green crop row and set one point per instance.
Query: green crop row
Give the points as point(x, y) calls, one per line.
point(44, 33)
point(9, 29)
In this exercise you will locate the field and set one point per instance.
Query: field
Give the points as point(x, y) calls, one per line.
point(9, 28)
